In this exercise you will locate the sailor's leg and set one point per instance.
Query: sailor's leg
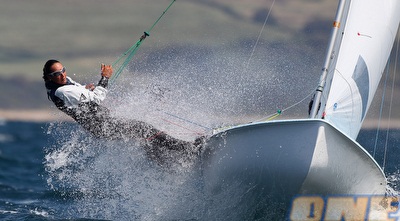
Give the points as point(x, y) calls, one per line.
point(153, 136)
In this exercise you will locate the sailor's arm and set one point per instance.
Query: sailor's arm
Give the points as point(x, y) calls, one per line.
point(106, 72)
point(100, 91)
point(74, 94)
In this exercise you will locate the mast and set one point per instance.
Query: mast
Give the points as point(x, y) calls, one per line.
point(330, 56)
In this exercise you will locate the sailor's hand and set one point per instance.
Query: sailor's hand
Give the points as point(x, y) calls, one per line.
point(106, 70)
point(90, 87)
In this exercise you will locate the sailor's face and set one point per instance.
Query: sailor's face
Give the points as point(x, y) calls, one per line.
point(59, 74)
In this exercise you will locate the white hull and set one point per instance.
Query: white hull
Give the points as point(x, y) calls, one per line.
point(259, 165)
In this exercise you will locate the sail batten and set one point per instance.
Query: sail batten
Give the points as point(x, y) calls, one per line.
point(368, 37)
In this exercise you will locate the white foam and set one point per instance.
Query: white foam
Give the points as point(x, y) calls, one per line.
point(8, 212)
point(39, 212)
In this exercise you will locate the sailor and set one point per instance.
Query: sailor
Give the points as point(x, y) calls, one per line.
point(83, 104)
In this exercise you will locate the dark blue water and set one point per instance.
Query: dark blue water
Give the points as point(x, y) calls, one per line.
point(23, 193)
point(55, 172)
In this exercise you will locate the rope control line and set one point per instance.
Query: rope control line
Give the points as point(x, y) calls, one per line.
point(128, 55)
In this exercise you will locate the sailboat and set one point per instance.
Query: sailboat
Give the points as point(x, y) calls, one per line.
point(248, 168)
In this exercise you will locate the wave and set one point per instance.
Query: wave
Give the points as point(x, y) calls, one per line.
point(116, 180)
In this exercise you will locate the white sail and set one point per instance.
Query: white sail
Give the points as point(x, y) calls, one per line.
point(369, 33)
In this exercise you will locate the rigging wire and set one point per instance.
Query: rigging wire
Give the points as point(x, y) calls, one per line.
point(186, 120)
point(280, 111)
point(381, 108)
point(128, 55)
point(259, 35)
point(247, 65)
point(391, 105)
point(269, 117)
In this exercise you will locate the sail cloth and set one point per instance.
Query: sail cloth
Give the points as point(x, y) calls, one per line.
point(369, 33)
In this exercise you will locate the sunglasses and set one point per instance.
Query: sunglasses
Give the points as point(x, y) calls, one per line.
point(57, 73)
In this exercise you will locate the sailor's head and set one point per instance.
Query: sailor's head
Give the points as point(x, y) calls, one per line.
point(54, 71)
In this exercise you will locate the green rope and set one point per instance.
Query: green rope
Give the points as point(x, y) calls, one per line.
point(128, 55)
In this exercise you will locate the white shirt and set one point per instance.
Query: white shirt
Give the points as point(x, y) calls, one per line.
point(76, 93)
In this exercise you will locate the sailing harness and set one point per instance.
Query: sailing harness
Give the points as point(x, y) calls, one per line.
point(51, 93)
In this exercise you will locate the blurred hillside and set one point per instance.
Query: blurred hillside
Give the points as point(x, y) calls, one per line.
point(84, 33)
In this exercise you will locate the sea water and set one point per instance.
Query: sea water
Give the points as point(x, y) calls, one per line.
point(45, 175)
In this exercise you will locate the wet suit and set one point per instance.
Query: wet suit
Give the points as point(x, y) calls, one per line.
point(83, 105)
